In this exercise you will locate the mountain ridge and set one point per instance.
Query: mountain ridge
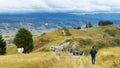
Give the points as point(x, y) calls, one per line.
point(39, 23)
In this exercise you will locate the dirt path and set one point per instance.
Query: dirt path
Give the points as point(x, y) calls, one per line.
point(84, 62)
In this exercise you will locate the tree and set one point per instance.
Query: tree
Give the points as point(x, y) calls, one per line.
point(89, 25)
point(24, 39)
point(77, 27)
point(2, 46)
point(105, 22)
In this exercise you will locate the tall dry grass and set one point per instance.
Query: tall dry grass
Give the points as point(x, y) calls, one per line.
point(38, 60)
point(109, 57)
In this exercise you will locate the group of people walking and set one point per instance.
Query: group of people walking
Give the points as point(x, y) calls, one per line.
point(93, 53)
point(74, 52)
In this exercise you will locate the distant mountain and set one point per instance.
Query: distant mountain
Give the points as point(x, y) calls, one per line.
point(41, 22)
point(37, 17)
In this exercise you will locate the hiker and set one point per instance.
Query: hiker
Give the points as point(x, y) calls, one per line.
point(82, 53)
point(71, 50)
point(93, 53)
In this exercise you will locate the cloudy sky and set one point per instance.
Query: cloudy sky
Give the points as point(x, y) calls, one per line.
point(72, 6)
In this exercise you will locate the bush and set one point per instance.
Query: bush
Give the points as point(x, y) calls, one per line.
point(100, 45)
point(42, 34)
point(77, 28)
point(111, 43)
point(85, 41)
point(89, 25)
point(117, 41)
point(110, 32)
point(44, 40)
point(87, 52)
point(104, 22)
point(107, 43)
point(67, 33)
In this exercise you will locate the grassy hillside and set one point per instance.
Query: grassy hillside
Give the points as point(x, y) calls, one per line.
point(37, 60)
point(102, 36)
point(109, 57)
point(106, 58)
point(11, 49)
point(105, 38)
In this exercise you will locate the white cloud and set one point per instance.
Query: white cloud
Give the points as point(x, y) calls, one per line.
point(59, 6)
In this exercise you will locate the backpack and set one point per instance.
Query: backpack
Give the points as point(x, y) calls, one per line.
point(93, 51)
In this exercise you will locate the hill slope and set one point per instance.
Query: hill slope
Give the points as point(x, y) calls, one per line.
point(106, 58)
point(103, 36)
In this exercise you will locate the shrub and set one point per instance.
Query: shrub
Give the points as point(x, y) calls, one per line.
point(107, 43)
point(87, 52)
point(85, 41)
point(44, 40)
point(100, 44)
point(104, 22)
point(43, 34)
point(110, 32)
point(67, 33)
point(117, 41)
point(89, 25)
point(77, 27)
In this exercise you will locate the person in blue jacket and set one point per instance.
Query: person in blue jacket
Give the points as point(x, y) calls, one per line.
point(93, 53)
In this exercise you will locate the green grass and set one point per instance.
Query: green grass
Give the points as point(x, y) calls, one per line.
point(11, 49)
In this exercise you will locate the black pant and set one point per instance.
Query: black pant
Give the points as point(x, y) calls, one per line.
point(93, 59)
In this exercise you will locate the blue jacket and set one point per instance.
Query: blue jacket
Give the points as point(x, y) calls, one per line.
point(93, 52)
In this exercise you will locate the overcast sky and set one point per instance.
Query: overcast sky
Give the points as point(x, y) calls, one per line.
point(73, 6)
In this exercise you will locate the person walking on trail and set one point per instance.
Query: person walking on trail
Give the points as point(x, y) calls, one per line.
point(93, 53)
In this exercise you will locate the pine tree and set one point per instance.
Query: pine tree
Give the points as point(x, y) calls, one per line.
point(2, 46)
point(24, 39)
